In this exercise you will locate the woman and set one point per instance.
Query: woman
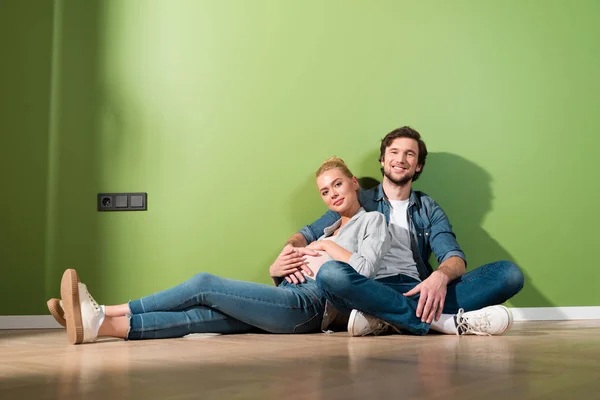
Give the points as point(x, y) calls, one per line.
point(208, 303)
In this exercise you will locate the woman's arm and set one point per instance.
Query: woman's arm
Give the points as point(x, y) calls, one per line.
point(335, 251)
point(372, 246)
point(373, 243)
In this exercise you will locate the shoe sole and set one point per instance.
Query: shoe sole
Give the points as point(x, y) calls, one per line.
point(57, 311)
point(69, 292)
point(510, 319)
point(351, 320)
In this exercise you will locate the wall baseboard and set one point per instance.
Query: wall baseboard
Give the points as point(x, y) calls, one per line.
point(28, 322)
point(555, 313)
point(519, 314)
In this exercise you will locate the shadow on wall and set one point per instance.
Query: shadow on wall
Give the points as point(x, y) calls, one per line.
point(464, 191)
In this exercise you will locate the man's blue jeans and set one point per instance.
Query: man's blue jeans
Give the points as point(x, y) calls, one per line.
point(383, 298)
point(208, 303)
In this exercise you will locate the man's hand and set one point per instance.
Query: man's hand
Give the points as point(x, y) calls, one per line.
point(291, 262)
point(433, 294)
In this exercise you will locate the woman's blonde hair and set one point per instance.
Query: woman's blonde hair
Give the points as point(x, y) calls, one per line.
point(334, 162)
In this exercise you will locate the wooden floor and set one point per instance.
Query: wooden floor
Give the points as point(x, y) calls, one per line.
point(549, 360)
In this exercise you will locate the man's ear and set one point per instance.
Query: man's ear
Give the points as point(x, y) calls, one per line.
point(418, 169)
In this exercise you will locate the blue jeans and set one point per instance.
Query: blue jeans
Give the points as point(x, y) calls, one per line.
point(207, 303)
point(383, 298)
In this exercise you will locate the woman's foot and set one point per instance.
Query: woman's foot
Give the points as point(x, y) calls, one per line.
point(55, 307)
point(82, 314)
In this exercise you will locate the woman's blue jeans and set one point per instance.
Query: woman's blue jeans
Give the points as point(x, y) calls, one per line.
point(208, 303)
point(383, 298)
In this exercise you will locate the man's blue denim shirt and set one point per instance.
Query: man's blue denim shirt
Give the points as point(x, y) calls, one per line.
point(429, 227)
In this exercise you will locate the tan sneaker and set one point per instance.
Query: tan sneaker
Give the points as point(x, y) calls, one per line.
point(55, 306)
point(361, 324)
point(83, 315)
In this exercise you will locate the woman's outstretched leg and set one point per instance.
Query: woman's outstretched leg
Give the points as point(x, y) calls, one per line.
point(177, 298)
point(86, 320)
point(294, 309)
point(114, 327)
point(119, 310)
point(171, 324)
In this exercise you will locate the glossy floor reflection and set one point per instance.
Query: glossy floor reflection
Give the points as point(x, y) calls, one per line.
point(536, 360)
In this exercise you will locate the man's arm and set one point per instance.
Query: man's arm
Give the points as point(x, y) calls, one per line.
point(452, 265)
point(433, 289)
point(442, 239)
point(315, 230)
point(297, 240)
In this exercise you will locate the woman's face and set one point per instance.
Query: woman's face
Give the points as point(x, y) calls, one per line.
point(338, 191)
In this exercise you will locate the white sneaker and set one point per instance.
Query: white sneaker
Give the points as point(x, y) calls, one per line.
point(361, 324)
point(92, 314)
point(83, 315)
point(492, 320)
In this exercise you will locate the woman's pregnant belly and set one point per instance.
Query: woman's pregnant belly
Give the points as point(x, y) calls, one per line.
point(315, 262)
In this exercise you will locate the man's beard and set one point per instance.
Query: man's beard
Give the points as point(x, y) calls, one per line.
point(400, 182)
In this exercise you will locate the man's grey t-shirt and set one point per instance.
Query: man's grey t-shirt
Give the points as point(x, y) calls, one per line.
point(399, 259)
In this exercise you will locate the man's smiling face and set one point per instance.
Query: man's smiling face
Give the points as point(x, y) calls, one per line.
point(400, 161)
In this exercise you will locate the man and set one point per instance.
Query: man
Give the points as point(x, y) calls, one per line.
point(407, 295)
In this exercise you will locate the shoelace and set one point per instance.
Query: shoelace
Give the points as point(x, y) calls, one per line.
point(94, 303)
point(377, 326)
point(383, 327)
point(478, 325)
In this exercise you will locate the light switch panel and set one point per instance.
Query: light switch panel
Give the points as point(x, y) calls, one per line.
point(134, 201)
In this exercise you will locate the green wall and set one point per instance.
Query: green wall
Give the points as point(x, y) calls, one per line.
point(222, 111)
point(25, 68)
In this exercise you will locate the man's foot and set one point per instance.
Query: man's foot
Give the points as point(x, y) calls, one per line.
point(55, 307)
point(492, 320)
point(82, 314)
point(361, 324)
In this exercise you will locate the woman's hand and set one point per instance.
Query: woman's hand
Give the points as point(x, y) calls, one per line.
point(319, 245)
point(290, 263)
point(334, 250)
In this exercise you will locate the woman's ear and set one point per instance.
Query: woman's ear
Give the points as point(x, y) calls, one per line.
point(355, 184)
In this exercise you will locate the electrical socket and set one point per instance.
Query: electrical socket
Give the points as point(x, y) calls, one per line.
point(135, 201)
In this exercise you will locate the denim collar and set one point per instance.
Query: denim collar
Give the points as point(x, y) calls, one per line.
point(379, 195)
